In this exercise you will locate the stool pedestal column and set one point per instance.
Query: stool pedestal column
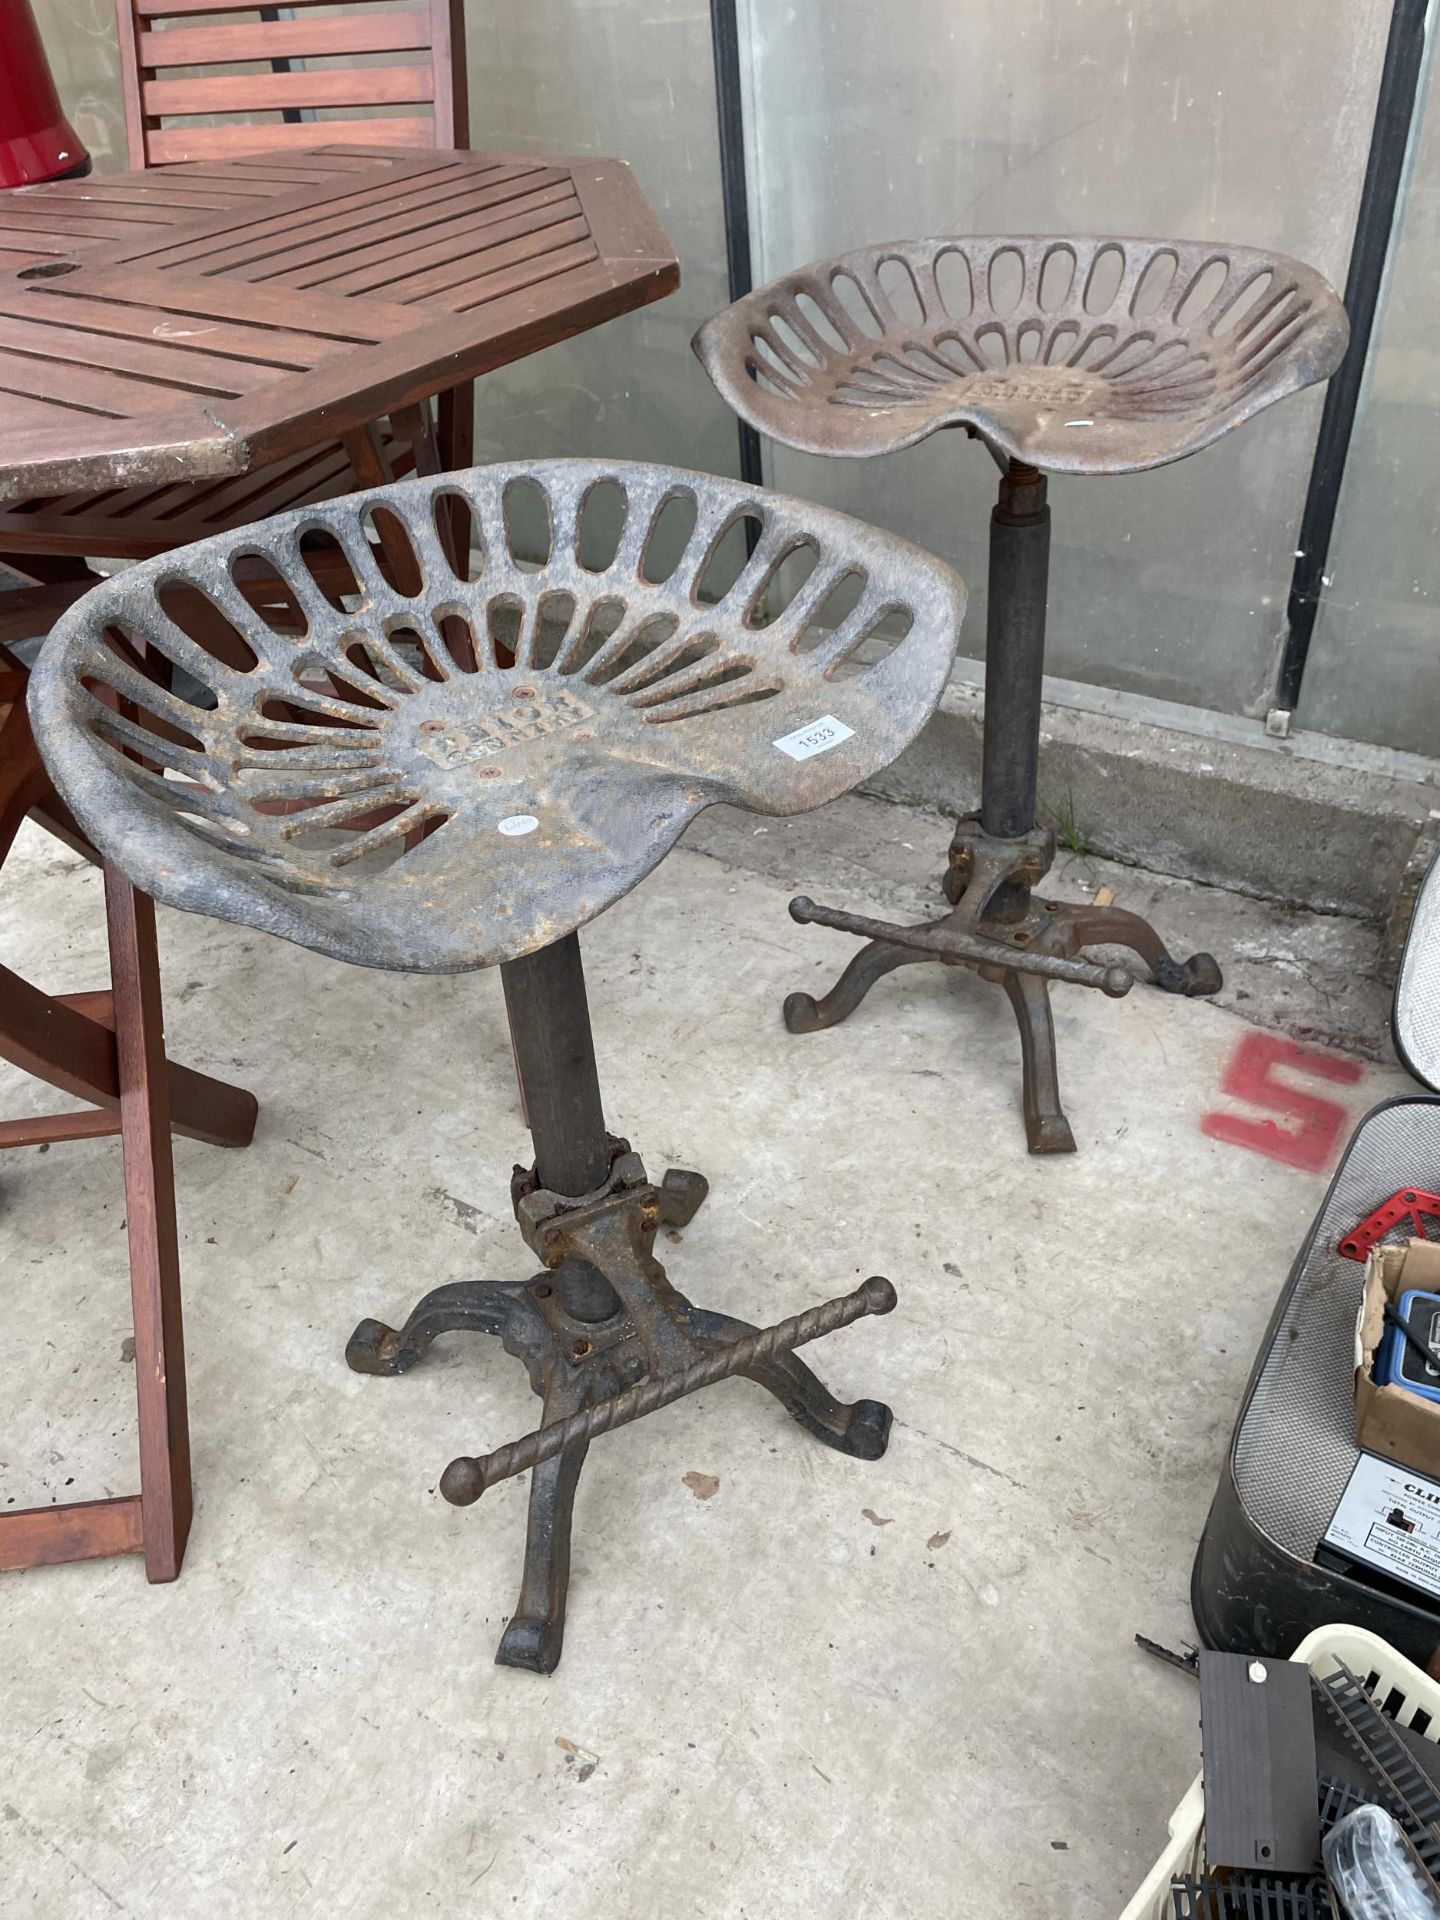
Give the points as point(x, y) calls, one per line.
point(1019, 583)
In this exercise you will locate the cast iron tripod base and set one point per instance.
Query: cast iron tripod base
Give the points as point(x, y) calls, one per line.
point(600, 1319)
point(1000, 929)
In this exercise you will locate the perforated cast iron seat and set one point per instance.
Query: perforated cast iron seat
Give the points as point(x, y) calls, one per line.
point(350, 782)
point(1074, 356)
point(1083, 356)
point(370, 727)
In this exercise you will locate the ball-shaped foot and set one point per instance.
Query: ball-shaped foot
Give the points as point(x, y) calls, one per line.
point(1203, 975)
point(462, 1482)
point(1190, 978)
point(682, 1194)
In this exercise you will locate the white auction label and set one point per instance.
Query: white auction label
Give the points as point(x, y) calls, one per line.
point(818, 737)
point(1389, 1518)
point(518, 823)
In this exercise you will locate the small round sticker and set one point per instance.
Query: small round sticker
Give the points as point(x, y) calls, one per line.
point(517, 823)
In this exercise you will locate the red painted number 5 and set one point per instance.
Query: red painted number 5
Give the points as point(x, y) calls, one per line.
point(1315, 1124)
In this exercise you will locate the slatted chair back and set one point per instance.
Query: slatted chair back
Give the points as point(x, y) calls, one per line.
point(200, 89)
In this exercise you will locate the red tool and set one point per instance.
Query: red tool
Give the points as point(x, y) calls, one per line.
point(1409, 1202)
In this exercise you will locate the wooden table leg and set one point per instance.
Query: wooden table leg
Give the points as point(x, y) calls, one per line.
point(81, 1530)
point(68, 1039)
point(157, 1521)
point(109, 1048)
point(165, 1493)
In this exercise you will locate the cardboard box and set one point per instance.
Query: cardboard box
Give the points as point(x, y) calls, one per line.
point(1388, 1420)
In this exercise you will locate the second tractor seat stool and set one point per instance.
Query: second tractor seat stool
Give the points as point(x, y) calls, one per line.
point(1063, 355)
point(456, 765)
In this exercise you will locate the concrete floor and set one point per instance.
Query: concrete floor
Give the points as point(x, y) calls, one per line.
point(905, 1689)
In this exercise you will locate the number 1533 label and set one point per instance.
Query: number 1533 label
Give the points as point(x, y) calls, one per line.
point(818, 737)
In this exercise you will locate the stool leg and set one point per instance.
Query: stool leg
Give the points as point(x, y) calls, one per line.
point(461, 1306)
point(165, 1490)
point(549, 1016)
point(1090, 926)
point(998, 857)
point(861, 1429)
point(1046, 1128)
point(805, 1014)
point(1018, 584)
point(535, 1635)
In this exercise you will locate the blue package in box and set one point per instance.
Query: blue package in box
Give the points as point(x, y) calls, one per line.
point(1398, 1364)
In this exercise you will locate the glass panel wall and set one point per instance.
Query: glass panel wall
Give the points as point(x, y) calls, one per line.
point(79, 39)
point(1374, 666)
point(634, 81)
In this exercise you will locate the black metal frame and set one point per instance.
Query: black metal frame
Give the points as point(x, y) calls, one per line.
point(291, 116)
point(1250, 1594)
point(734, 189)
point(1374, 235)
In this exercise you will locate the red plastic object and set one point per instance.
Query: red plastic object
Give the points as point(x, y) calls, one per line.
point(37, 142)
point(1409, 1202)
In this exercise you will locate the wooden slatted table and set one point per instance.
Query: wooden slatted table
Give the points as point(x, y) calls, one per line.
point(202, 320)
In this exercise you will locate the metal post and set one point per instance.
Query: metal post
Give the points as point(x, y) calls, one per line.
point(1374, 235)
point(1015, 653)
point(735, 199)
point(555, 1055)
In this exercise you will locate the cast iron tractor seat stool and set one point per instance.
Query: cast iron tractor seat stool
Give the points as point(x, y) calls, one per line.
point(1065, 356)
point(415, 765)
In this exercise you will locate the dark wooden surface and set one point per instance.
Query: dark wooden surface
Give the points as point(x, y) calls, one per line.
point(169, 48)
point(200, 321)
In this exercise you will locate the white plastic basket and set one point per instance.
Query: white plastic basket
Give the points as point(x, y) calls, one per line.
point(1365, 1654)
